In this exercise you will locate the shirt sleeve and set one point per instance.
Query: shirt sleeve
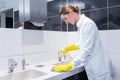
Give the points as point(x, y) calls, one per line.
point(86, 44)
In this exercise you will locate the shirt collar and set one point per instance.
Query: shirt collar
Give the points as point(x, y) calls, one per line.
point(80, 21)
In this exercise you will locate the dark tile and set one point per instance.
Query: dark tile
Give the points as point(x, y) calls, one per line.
point(72, 27)
point(16, 19)
point(54, 6)
point(89, 4)
point(114, 18)
point(9, 22)
point(113, 2)
point(53, 23)
point(99, 17)
point(56, 24)
point(0, 20)
point(64, 26)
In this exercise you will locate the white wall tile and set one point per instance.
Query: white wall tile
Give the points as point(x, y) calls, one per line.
point(104, 39)
point(32, 37)
point(42, 46)
point(36, 58)
point(4, 62)
point(116, 78)
point(49, 40)
point(115, 58)
point(114, 41)
point(60, 40)
point(10, 42)
point(72, 38)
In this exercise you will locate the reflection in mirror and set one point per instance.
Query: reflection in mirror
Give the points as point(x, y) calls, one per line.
point(16, 20)
point(9, 18)
point(6, 19)
point(0, 20)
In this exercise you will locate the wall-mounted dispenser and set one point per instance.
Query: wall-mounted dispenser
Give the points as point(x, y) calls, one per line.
point(33, 10)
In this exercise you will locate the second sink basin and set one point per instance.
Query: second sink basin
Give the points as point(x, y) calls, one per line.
point(25, 75)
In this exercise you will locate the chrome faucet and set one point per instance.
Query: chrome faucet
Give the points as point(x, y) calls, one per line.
point(11, 65)
point(23, 64)
point(61, 57)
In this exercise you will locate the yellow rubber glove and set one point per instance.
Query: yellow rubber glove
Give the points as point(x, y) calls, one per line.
point(68, 48)
point(63, 68)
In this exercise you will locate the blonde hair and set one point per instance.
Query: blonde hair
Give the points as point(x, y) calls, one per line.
point(68, 8)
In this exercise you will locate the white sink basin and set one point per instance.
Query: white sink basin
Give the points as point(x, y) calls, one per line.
point(25, 75)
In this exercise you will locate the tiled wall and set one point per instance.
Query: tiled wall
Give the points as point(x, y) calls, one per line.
point(114, 49)
point(105, 13)
point(10, 46)
point(33, 46)
point(18, 45)
point(10, 42)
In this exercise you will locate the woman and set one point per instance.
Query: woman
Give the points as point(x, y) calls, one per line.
point(91, 54)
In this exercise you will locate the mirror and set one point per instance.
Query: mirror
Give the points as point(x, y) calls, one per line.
point(9, 14)
point(7, 18)
point(7, 11)
point(31, 13)
point(0, 20)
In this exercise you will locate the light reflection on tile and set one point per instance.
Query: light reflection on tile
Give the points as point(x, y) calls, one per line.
point(113, 2)
point(114, 18)
point(99, 17)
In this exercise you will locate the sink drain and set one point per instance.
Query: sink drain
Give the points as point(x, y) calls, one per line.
point(40, 65)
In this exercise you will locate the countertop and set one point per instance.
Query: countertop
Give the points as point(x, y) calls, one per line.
point(46, 67)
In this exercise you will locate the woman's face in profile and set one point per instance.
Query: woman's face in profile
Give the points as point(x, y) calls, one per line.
point(68, 18)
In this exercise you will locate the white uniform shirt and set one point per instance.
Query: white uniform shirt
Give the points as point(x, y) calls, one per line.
point(91, 53)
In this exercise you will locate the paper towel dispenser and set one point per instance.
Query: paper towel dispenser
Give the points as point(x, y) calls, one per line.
point(33, 10)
